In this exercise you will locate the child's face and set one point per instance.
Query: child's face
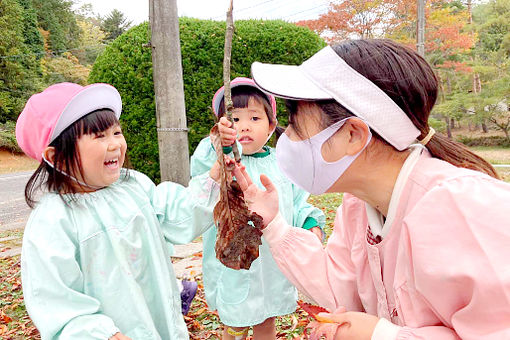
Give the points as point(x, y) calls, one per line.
point(252, 126)
point(102, 156)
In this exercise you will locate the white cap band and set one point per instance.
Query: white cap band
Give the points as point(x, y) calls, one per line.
point(327, 76)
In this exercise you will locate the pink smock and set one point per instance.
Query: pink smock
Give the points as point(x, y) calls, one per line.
point(441, 272)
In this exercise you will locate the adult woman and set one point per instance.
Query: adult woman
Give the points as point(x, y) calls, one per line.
point(420, 242)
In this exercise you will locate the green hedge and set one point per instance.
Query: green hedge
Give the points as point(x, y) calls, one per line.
point(8, 137)
point(127, 65)
point(499, 141)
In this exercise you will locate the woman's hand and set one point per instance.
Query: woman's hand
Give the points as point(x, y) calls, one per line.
point(353, 325)
point(228, 135)
point(264, 203)
point(119, 336)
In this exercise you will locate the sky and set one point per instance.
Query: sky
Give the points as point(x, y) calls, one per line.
point(289, 10)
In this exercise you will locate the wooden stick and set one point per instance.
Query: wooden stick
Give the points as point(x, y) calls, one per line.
point(229, 106)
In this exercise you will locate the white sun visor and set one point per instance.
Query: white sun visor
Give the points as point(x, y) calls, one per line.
point(327, 76)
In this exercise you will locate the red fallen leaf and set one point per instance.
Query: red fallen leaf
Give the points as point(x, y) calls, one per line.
point(4, 318)
point(312, 310)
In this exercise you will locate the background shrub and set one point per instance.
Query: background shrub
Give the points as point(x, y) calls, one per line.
point(127, 65)
point(8, 137)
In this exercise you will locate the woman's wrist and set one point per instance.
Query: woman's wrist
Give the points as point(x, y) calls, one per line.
point(276, 230)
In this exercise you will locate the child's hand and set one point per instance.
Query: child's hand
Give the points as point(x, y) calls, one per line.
point(317, 231)
point(353, 325)
point(214, 173)
point(119, 336)
point(227, 134)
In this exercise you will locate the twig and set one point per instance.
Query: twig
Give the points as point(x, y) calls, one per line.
point(226, 73)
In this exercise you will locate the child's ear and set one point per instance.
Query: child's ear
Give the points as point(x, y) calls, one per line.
point(49, 154)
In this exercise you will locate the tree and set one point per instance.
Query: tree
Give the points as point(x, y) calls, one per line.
point(114, 24)
point(57, 18)
point(360, 19)
point(18, 66)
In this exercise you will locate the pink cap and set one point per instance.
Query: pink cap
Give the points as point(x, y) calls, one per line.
point(237, 82)
point(50, 112)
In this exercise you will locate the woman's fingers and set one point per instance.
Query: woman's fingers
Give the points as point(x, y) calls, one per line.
point(242, 177)
point(266, 182)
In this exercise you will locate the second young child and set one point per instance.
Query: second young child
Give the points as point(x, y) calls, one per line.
point(252, 297)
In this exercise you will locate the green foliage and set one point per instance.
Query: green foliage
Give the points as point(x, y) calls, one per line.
point(18, 71)
point(33, 38)
point(114, 24)
point(8, 137)
point(491, 141)
point(438, 125)
point(57, 17)
point(127, 65)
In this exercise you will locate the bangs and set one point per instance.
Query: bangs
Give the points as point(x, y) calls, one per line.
point(95, 122)
point(241, 96)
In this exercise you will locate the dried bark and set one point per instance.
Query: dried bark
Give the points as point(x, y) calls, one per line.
point(239, 229)
point(229, 106)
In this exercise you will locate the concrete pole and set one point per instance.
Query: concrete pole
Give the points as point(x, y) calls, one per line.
point(169, 92)
point(420, 37)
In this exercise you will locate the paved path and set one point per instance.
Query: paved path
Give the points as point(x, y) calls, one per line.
point(14, 214)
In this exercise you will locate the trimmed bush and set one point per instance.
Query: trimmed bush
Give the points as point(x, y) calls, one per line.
point(484, 141)
point(8, 137)
point(127, 65)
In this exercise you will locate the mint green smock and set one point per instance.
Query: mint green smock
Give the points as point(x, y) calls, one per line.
point(100, 264)
point(248, 297)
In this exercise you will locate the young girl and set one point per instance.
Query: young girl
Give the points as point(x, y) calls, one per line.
point(421, 242)
point(95, 262)
point(252, 297)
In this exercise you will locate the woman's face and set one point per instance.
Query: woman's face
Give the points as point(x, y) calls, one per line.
point(308, 121)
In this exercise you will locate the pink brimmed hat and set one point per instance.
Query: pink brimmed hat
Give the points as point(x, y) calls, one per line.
point(218, 96)
point(47, 114)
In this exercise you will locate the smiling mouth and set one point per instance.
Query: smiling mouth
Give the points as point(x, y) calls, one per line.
point(112, 163)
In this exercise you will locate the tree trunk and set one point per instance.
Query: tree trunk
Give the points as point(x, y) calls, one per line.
point(452, 123)
point(448, 128)
point(484, 127)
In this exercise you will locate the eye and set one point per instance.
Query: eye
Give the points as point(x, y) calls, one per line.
point(255, 118)
point(118, 133)
point(100, 135)
point(235, 120)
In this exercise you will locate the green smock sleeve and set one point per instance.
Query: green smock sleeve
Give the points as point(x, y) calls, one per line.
point(184, 213)
point(53, 283)
point(306, 216)
point(204, 156)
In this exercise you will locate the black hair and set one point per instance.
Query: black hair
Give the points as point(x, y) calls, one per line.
point(67, 156)
point(241, 96)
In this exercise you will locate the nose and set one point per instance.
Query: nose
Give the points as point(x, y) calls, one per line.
point(114, 144)
point(243, 126)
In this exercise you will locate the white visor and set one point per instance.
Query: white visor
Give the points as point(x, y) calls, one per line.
point(327, 76)
point(93, 97)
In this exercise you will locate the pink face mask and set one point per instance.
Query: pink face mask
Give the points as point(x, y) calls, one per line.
point(303, 164)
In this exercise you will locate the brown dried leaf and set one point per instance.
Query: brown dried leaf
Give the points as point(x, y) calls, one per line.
point(238, 237)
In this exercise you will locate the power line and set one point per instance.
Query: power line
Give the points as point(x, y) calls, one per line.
point(303, 11)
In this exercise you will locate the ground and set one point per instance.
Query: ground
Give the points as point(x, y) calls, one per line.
point(202, 323)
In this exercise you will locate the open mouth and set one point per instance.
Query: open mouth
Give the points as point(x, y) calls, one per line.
point(112, 163)
point(245, 139)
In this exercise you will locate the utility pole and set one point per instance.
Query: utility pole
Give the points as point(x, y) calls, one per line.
point(420, 37)
point(169, 92)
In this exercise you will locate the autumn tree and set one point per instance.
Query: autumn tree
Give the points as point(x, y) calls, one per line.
point(359, 19)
